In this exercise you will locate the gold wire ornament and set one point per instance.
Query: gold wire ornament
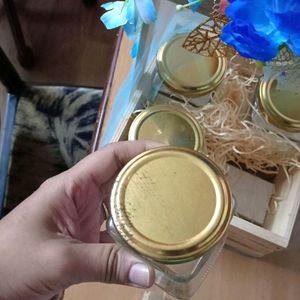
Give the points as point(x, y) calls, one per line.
point(205, 38)
point(285, 58)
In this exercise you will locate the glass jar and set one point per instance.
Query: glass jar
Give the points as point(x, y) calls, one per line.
point(278, 103)
point(172, 206)
point(182, 73)
point(168, 124)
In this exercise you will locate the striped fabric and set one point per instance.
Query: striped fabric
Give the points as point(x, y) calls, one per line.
point(53, 130)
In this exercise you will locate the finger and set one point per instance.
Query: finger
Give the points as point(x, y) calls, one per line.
point(102, 165)
point(60, 296)
point(111, 264)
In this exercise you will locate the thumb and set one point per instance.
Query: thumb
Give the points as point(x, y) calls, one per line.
point(111, 264)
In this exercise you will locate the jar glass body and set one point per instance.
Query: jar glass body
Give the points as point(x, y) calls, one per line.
point(172, 206)
point(182, 280)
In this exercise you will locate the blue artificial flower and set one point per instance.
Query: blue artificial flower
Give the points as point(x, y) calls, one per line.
point(115, 16)
point(259, 27)
point(120, 13)
point(131, 14)
point(245, 39)
point(133, 24)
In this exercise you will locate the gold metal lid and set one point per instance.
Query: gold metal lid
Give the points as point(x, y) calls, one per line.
point(168, 124)
point(281, 106)
point(171, 204)
point(187, 73)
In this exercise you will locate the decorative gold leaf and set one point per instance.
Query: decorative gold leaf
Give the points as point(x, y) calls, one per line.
point(284, 58)
point(205, 38)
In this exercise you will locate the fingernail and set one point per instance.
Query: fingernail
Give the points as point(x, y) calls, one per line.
point(139, 275)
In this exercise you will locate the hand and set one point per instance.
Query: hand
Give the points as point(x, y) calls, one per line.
point(52, 240)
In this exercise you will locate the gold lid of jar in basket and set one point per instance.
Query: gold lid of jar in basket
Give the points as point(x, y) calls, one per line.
point(171, 204)
point(168, 124)
point(186, 73)
point(281, 106)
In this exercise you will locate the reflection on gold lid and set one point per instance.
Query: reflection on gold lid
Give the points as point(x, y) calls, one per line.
point(187, 73)
point(280, 104)
point(171, 204)
point(168, 124)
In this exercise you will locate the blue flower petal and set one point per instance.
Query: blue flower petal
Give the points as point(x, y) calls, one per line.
point(132, 17)
point(134, 25)
point(136, 47)
point(294, 44)
point(248, 42)
point(289, 22)
point(255, 16)
point(195, 6)
point(131, 12)
point(115, 16)
point(259, 27)
point(146, 10)
point(113, 5)
point(130, 30)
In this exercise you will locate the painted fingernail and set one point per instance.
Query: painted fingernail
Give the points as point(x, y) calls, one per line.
point(139, 275)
